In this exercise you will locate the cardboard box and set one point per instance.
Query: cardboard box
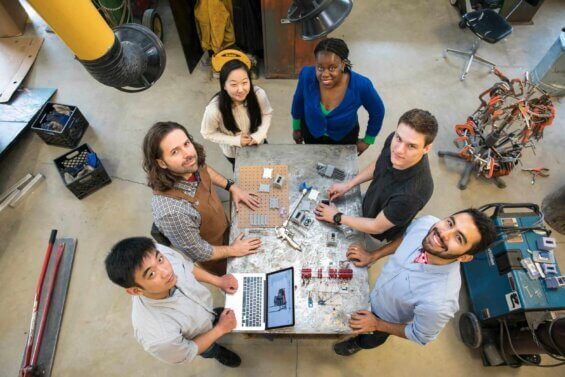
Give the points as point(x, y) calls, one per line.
point(13, 18)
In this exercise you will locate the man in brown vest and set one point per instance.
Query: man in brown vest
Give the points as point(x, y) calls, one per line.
point(186, 208)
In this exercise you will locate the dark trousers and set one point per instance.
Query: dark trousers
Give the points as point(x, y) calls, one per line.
point(351, 138)
point(232, 160)
point(214, 349)
point(373, 340)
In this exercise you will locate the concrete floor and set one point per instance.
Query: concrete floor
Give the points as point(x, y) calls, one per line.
point(398, 44)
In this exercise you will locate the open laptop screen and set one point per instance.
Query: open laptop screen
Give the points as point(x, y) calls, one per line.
point(280, 299)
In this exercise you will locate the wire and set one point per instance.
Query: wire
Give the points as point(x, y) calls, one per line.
point(503, 322)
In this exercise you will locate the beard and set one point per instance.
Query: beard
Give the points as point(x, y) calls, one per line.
point(434, 245)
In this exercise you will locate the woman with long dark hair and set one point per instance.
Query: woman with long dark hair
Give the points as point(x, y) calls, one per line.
point(328, 96)
point(239, 115)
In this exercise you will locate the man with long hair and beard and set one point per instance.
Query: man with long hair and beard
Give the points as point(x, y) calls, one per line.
point(186, 207)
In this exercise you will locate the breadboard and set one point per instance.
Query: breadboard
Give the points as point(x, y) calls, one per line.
point(250, 177)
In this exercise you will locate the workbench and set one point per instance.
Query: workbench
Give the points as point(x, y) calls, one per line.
point(322, 305)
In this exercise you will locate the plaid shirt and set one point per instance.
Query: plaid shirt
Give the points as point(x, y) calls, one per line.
point(180, 222)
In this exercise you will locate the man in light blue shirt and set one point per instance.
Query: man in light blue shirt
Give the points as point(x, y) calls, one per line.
point(417, 292)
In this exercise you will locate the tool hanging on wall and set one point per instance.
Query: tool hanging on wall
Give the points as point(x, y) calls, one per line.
point(511, 117)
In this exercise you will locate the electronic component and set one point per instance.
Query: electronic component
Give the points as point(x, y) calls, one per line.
point(546, 243)
point(330, 171)
point(543, 256)
point(264, 187)
point(273, 202)
point(555, 282)
point(306, 222)
point(549, 268)
point(298, 217)
point(531, 269)
point(278, 182)
point(331, 239)
point(257, 219)
point(313, 194)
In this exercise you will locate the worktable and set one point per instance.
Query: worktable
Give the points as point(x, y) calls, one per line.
point(331, 300)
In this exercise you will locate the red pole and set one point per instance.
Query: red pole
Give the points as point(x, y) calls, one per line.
point(37, 298)
point(45, 312)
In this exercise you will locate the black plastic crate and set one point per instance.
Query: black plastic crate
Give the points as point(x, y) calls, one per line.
point(88, 183)
point(72, 130)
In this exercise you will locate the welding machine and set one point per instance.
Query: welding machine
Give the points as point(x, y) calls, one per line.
point(516, 291)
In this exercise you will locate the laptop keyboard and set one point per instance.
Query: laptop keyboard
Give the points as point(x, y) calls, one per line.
point(252, 301)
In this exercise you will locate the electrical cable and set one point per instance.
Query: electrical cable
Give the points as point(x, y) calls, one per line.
point(503, 322)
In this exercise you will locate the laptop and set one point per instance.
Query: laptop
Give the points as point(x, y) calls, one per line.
point(263, 301)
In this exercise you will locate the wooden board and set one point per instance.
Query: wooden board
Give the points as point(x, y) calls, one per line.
point(250, 177)
point(16, 58)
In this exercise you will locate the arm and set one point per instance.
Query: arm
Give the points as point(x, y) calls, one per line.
point(266, 115)
point(364, 321)
point(210, 127)
point(177, 349)
point(428, 322)
point(227, 283)
point(374, 105)
point(378, 225)
point(340, 189)
point(362, 257)
point(297, 109)
point(225, 325)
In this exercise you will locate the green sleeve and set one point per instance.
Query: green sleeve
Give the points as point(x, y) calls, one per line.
point(296, 124)
point(369, 139)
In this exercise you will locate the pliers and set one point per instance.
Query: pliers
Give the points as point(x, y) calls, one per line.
point(538, 171)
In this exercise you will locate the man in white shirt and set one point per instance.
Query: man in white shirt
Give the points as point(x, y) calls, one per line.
point(172, 312)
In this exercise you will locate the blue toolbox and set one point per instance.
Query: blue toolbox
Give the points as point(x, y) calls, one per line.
point(515, 288)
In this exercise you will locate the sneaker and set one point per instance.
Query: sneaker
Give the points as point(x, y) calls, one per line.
point(228, 358)
point(347, 347)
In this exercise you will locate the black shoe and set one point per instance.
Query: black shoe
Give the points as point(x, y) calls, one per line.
point(347, 347)
point(228, 358)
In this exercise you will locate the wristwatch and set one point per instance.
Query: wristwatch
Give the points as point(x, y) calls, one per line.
point(337, 218)
point(229, 184)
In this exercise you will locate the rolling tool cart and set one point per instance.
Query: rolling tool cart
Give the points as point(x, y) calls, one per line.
point(516, 292)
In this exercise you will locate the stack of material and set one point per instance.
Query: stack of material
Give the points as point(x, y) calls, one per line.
point(13, 196)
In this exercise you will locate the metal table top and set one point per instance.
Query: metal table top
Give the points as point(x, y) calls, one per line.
point(322, 306)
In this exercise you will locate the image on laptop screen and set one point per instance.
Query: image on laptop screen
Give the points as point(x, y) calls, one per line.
point(280, 298)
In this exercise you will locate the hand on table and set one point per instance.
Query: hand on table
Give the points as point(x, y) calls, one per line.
point(336, 190)
point(241, 247)
point(245, 140)
point(249, 199)
point(228, 283)
point(363, 321)
point(297, 137)
point(358, 255)
point(325, 212)
point(361, 147)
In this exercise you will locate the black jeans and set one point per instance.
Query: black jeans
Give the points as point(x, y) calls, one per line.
point(232, 160)
point(351, 138)
point(214, 349)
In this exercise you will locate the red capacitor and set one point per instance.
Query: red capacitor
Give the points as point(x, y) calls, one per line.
point(345, 273)
point(332, 272)
point(306, 273)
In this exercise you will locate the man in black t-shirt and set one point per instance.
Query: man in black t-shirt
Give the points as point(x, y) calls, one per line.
point(401, 184)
